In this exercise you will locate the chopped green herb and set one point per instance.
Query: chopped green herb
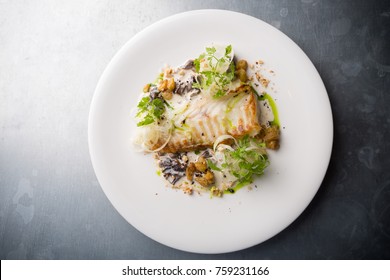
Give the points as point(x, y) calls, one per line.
point(212, 165)
point(151, 109)
point(214, 76)
point(246, 160)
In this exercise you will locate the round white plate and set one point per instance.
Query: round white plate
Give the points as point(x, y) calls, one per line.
point(200, 223)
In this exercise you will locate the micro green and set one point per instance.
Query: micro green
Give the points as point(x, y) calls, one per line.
point(246, 160)
point(214, 76)
point(151, 109)
point(212, 165)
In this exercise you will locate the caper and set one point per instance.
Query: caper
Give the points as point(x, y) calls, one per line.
point(241, 74)
point(242, 64)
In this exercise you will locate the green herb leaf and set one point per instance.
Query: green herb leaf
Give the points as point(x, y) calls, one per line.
point(151, 110)
point(196, 85)
point(213, 75)
point(211, 50)
point(243, 162)
point(147, 120)
point(212, 165)
point(228, 50)
point(219, 93)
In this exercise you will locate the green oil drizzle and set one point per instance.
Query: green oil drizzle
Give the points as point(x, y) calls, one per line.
point(266, 96)
point(236, 188)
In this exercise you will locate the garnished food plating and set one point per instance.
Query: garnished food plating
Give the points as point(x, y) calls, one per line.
point(207, 124)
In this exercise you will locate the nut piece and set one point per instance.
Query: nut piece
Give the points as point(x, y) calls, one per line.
point(188, 190)
point(264, 82)
point(201, 164)
point(202, 181)
point(216, 192)
point(272, 133)
point(273, 145)
point(168, 72)
point(271, 137)
point(171, 84)
point(163, 85)
point(205, 179)
point(209, 176)
point(190, 171)
point(167, 95)
point(146, 88)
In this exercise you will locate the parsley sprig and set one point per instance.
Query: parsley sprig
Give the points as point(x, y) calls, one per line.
point(213, 74)
point(152, 110)
point(245, 160)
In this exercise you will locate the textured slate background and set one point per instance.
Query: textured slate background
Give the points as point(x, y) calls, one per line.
point(52, 54)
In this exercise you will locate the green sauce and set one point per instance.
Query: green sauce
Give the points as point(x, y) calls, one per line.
point(236, 188)
point(266, 96)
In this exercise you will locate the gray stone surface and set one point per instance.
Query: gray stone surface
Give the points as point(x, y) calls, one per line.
point(52, 54)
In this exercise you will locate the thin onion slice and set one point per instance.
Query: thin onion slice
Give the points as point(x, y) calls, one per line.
point(163, 145)
point(226, 147)
point(152, 133)
point(260, 149)
point(221, 139)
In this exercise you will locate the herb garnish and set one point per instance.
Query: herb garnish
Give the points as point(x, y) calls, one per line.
point(212, 165)
point(246, 160)
point(154, 109)
point(213, 75)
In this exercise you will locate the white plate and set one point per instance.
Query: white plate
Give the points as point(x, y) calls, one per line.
point(199, 223)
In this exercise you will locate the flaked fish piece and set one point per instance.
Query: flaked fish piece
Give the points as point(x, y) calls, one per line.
point(202, 119)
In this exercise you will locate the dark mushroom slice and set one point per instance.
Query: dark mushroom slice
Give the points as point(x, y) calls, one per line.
point(188, 65)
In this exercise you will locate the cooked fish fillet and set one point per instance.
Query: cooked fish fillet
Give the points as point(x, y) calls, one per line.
point(200, 121)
